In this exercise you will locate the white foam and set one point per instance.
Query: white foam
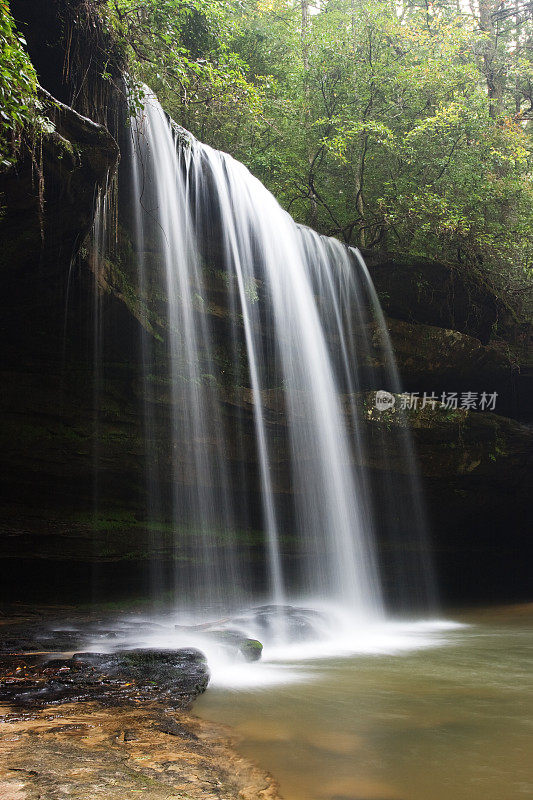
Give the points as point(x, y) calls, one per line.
point(338, 635)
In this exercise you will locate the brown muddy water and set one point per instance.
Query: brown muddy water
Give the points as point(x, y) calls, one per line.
point(451, 722)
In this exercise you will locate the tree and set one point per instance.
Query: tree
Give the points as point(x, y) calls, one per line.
point(180, 47)
point(413, 135)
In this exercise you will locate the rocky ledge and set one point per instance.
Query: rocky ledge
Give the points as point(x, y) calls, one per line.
point(109, 725)
point(175, 677)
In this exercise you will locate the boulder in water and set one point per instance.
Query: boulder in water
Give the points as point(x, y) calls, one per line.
point(175, 676)
point(231, 638)
point(297, 624)
point(252, 649)
point(179, 673)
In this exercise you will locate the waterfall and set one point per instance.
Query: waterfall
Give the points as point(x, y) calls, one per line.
point(258, 353)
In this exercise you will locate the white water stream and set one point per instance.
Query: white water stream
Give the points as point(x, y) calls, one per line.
point(303, 325)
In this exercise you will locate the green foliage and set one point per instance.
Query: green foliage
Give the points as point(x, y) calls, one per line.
point(180, 48)
point(17, 86)
point(398, 126)
point(405, 128)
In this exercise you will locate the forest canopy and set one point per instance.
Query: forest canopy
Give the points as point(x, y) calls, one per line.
point(398, 126)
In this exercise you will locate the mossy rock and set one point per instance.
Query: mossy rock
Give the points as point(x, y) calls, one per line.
point(251, 649)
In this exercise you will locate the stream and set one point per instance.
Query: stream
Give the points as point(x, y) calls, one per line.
point(452, 721)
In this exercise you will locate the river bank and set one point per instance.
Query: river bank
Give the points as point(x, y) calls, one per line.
point(84, 750)
point(121, 744)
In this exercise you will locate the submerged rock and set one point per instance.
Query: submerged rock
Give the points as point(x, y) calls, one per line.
point(251, 649)
point(231, 638)
point(297, 624)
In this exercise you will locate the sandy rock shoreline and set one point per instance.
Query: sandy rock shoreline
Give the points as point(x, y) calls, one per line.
point(84, 750)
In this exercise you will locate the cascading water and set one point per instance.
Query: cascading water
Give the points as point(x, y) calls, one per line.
point(101, 236)
point(302, 309)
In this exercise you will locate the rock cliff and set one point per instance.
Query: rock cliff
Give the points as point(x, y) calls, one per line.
point(63, 454)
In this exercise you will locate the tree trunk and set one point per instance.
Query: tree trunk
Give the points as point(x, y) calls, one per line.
point(306, 24)
point(494, 78)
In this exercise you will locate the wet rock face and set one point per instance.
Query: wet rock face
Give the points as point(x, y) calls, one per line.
point(77, 155)
point(75, 58)
point(476, 469)
point(426, 292)
point(176, 677)
point(436, 359)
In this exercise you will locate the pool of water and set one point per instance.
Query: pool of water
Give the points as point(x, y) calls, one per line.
point(452, 720)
